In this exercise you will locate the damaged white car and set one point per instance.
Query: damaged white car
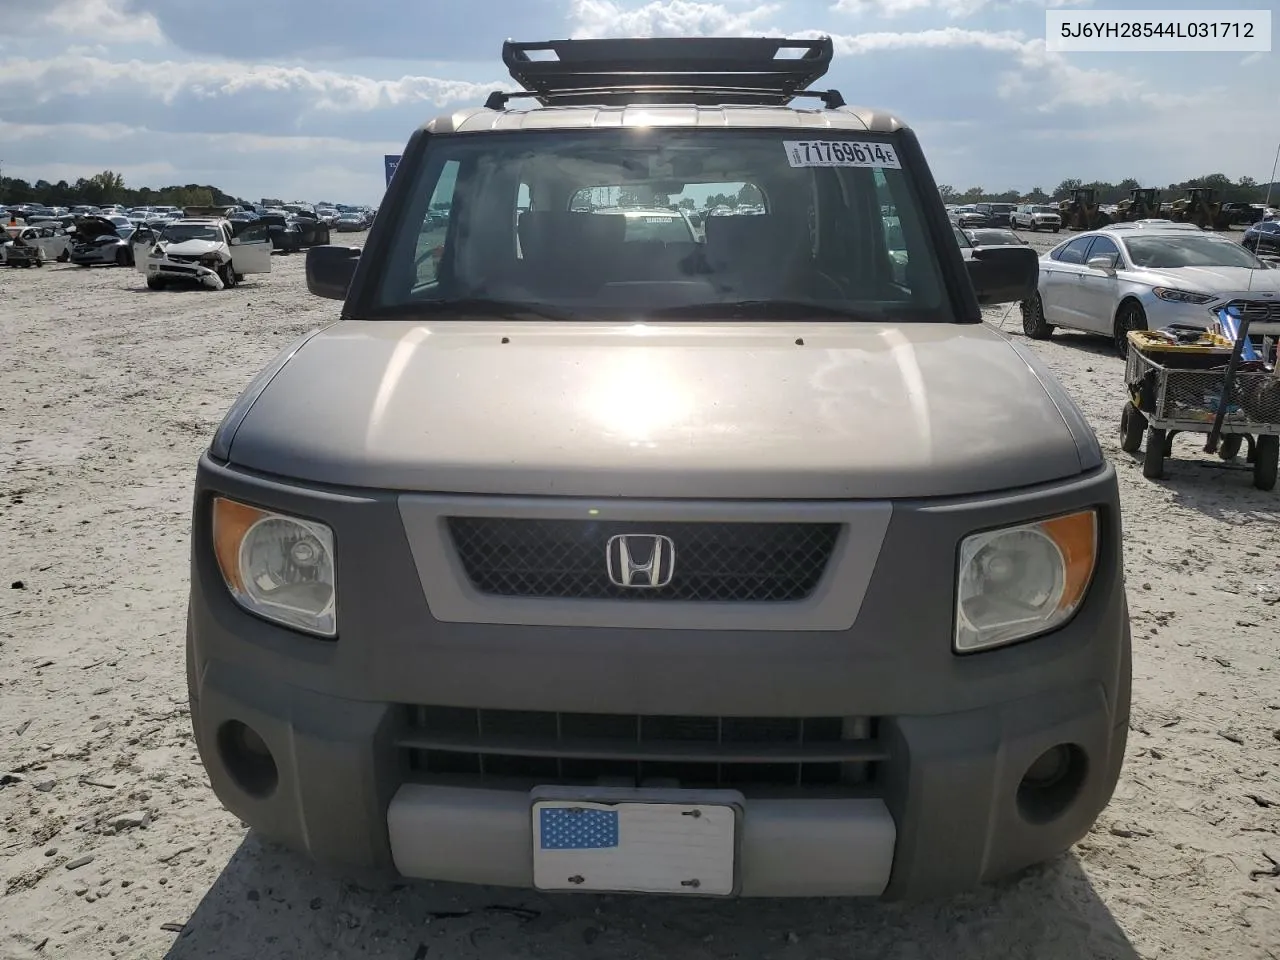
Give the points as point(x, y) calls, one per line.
point(212, 251)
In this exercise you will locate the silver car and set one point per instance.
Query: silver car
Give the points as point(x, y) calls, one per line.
point(746, 565)
point(1144, 276)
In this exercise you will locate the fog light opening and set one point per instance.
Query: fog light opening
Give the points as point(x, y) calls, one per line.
point(248, 759)
point(1052, 783)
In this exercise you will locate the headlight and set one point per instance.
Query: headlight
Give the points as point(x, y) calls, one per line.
point(1181, 296)
point(276, 566)
point(1021, 581)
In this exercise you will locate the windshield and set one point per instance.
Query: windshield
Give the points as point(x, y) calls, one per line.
point(1164, 253)
point(531, 218)
point(989, 238)
point(182, 232)
point(1044, 209)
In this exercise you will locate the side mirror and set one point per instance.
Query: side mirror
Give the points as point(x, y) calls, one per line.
point(1102, 263)
point(1004, 274)
point(330, 269)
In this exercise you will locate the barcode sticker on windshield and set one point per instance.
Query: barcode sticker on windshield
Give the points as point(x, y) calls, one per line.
point(840, 153)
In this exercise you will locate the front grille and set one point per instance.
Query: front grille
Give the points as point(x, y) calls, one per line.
point(568, 559)
point(1258, 311)
point(635, 750)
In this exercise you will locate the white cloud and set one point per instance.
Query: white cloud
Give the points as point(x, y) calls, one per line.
point(248, 166)
point(952, 8)
point(103, 20)
point(167, 81)
point(945, 37)
point(1046, 79)
point(320, 129)
point(667, 18)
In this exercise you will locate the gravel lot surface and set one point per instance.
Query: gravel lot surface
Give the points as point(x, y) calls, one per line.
point(112, 845)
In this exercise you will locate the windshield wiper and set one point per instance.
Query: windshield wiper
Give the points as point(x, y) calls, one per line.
point(503, 309)
point(767, 309)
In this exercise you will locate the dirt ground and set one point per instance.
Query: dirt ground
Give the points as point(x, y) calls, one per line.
point(112, 845)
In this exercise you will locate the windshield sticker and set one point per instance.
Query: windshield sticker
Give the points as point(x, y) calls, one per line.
point(840, 153)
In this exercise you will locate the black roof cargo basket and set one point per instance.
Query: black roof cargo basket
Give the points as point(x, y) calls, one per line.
point(691, 70)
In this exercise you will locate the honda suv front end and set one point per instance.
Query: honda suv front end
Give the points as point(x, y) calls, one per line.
point(714, 565)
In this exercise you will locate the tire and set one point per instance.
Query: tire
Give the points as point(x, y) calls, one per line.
point(1056, 229)
point(1153, 459)
point(1130, 316)
point(227, 276)
point(155, 283)
point(122, 257)
point(1229, 446)
point(1266, 460)
point(1133, 424)
point(1034, 324)
point(64, 256)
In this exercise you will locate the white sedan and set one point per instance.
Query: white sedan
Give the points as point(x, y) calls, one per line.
point(1144, 276)
point(50, 238)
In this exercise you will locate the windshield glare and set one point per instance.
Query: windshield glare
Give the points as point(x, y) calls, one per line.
point(1165, 253)
point(664, 229)
point(995, 237)
point(181, 234)
point(593, 223)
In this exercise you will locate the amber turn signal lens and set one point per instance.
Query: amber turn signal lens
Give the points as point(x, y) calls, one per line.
point(1076, 535)
point(231, 521)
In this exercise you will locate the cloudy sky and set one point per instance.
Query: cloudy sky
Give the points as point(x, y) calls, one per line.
point(301, 98)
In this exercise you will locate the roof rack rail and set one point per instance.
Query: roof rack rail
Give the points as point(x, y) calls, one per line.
point(710, 71)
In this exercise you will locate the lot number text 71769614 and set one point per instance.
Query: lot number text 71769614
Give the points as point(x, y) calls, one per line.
point(840, 153)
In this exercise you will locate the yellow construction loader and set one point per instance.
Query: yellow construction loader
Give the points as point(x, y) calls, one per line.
point(1081, 212)
point(1143, 204)
point(1200, 207)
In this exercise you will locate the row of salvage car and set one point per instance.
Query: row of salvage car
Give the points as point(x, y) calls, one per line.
point(204, 247)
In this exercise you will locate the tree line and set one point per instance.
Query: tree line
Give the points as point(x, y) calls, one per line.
point(1244, 190)
point(109, 187)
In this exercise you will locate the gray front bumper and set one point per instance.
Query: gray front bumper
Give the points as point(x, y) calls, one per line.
point(957, 733)
point(948, 819)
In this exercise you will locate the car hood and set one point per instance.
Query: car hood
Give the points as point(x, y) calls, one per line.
point(1218, 279)
point(89, 228)
point(189, 248)
point(822, 410)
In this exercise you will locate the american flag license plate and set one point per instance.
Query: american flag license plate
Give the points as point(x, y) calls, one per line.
point(665, 848)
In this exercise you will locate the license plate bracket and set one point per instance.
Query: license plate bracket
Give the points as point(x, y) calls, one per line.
point(636, 840)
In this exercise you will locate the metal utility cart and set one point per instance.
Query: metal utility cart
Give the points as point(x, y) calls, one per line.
point(1203, 382)
point(23, 254)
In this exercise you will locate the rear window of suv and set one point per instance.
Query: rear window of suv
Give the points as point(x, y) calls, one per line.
point(840, 229)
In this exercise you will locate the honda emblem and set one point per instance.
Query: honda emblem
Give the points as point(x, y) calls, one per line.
point(643, 560)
